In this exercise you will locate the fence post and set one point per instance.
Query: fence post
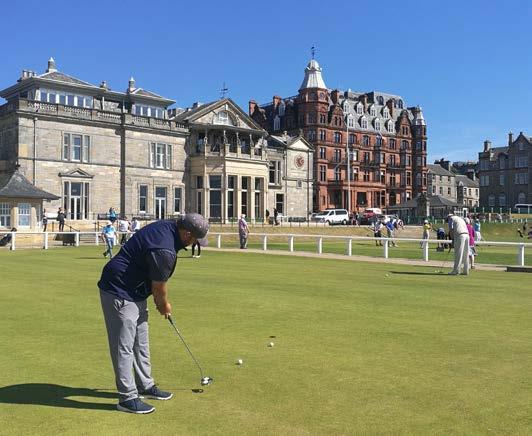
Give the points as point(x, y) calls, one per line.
point(13, 244)
point(348, 247)
point(426, 251)
point(76, 236)
point(265, 242)
point(96, 238)
point(219, 241)
point(320, 245)
point(291, 243)
point(45, 242)
point(385, 248)
point(521, 255)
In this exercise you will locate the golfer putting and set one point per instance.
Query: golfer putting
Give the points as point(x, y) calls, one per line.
point(142, 268)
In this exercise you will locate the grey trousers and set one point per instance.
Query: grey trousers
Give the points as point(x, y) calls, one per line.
point(243, 240)
point(127, 332)
point(461, 254)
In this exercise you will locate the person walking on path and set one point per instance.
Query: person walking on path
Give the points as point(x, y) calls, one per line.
point(123, 228)
point(243, 232)
point(44, 220)
point(427, 227)
point(142, 268)
point(275, 216)
point(61, 215)
point(109, 237)
point(459, 235)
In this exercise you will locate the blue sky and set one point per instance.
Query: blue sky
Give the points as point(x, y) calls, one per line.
point(467, 63)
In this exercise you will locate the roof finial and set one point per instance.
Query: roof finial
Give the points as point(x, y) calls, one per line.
point(313, 51)
point(223, 91)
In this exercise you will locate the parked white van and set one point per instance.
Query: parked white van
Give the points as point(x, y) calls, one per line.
point(332, 216)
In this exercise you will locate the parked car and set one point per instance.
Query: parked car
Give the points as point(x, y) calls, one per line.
point(370, 214)
point(332, 216)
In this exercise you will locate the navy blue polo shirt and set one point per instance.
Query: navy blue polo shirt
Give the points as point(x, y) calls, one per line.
point(149, 255)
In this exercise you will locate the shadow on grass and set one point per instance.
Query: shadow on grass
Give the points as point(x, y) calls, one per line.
point(414, 273)
point(45, 394)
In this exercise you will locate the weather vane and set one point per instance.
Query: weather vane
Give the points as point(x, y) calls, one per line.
point(313, 51)
point(224, 91)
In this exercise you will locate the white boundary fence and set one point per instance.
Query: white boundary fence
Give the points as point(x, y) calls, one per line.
point(95, 236)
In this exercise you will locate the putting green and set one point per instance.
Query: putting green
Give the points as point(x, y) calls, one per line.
point(359, 348)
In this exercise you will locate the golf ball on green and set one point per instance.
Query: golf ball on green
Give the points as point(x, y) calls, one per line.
point(270, 344)
point(239, 362)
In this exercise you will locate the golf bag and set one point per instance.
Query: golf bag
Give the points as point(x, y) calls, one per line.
point(5, 240)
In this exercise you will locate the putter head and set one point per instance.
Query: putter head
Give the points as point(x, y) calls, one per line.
point(206, 381)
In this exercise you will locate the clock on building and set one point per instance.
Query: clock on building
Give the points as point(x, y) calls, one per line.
point(299, 161)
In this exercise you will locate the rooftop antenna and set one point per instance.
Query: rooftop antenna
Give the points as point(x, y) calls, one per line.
point(224, 91)
point(313, 51)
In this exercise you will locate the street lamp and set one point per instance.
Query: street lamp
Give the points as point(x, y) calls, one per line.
point(348, 120)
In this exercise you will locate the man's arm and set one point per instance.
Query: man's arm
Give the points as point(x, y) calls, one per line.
point(160, 297)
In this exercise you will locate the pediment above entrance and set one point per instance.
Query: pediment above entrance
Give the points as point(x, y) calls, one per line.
point(77, 173)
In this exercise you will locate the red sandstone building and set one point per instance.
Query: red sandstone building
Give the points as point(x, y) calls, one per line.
point(387, 142)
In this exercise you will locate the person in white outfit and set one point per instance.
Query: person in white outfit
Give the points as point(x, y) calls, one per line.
point(460, 235)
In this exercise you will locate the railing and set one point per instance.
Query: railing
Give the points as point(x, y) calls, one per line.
point(73, 238)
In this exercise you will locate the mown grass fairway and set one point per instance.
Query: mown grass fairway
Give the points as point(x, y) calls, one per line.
point(360, 348)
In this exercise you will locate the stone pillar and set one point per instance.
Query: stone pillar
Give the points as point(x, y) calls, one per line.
point(238, 195)
point(251, 202)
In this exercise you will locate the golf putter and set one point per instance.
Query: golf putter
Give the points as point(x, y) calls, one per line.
point(205, 380)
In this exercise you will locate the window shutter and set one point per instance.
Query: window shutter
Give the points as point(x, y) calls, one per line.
point(152, 154)
point(168, 156)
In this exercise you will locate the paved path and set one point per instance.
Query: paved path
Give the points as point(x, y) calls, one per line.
point(412, 262)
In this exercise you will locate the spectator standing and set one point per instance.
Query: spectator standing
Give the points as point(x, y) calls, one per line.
point(196, 247)
point(460, 235)
point(112, 214)
point(61, 215)
point(44, 220)
point(476, 228)
point(427, 227)
point(109, 237)
point(275, 216)
point(472, 248)
point(142, 268)
point(135, 225)
point(377, 232)
point(267, 216)
point(243, 231)
point(123, 228)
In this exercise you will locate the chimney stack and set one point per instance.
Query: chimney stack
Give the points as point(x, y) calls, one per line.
point(487, 145)
point(51, 66)
point(510, 138)
point(276, 101)
point(252, 105)
point(131, 86)
point(335, 96)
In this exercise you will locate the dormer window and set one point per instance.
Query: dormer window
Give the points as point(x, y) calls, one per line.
point(364, 123)
point(347, 107)
point(380, 100)
point(281, 108)
point(276, 123)
point(223, 117)
point(390, 127)
point(377, 124)
point(360, 109)
point(400, 104)
point(372, 111)
point(385, 113)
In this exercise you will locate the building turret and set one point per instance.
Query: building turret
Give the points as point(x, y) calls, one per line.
point(313, 77)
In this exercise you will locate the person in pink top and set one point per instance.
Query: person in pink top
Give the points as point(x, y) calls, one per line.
point(472, 249)
point(243, 232)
